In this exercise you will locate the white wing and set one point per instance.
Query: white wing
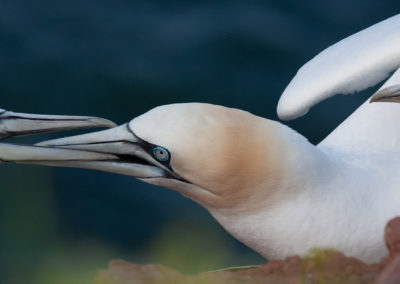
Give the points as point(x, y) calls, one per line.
point(353, 64)
point(372, 127)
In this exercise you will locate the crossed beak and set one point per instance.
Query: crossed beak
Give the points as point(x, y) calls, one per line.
point(117, 150)
point(20, 124)
point(130, 155)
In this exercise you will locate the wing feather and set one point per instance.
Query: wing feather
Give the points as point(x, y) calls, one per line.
point(372, 127)
point(353, 64)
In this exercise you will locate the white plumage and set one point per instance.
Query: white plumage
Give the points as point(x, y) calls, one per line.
point(353, 64)
point(265, 183)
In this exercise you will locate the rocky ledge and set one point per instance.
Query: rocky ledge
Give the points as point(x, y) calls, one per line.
point(322, 266)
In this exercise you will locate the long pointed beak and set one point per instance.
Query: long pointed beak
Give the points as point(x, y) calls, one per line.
point(42, 155)
point(19, 124)
point(131, 155)
point(389, 94)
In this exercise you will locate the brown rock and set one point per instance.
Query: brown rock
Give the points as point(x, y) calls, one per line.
point(391, 273)
point(320, 267)
point(392, 235)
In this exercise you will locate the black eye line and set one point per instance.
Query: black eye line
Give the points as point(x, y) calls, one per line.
point(148, 147)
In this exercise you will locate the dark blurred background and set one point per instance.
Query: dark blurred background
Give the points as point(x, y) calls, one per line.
point(118, 59)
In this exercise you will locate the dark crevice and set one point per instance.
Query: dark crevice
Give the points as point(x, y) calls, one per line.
point(133, 159)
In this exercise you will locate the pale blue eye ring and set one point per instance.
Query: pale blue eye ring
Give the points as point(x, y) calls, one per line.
point(160, 154)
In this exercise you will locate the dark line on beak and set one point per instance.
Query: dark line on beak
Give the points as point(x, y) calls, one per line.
point(93, 143)
point(11, 134)
point(43, 119)
point(127, 158)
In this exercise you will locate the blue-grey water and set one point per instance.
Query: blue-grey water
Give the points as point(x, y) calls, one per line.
point(118, 59)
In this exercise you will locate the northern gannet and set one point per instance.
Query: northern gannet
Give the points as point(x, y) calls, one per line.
point(264, 182)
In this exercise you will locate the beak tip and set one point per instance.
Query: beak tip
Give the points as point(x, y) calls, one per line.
point(102, 122)
point(389, 94)
point(373, 100)
point(42, 144)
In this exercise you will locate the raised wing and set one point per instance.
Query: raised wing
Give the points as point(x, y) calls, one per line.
point(373, 126)
point(353, 64)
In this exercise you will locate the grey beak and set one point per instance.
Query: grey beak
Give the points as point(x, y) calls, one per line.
point(19, 124)
point(115, 150)
point(39, 155)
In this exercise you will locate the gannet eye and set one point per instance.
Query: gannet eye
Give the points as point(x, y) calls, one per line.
point(161, 154)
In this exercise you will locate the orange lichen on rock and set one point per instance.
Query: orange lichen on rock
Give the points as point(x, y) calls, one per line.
point(322, 266)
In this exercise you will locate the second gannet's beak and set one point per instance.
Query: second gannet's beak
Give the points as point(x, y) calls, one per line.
point(14, 124)
point(390, 94)
point(44, 155)
point(132, 155)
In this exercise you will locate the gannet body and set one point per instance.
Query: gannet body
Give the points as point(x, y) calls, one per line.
point(265, 183)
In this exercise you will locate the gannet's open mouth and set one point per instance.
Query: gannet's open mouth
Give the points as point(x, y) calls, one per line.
point(117, 150)
point(125, 154)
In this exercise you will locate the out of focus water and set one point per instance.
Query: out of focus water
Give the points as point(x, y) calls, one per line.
point(118, 59)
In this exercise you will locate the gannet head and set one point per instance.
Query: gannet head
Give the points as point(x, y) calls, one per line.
point(218, 156)
point(221, 154)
